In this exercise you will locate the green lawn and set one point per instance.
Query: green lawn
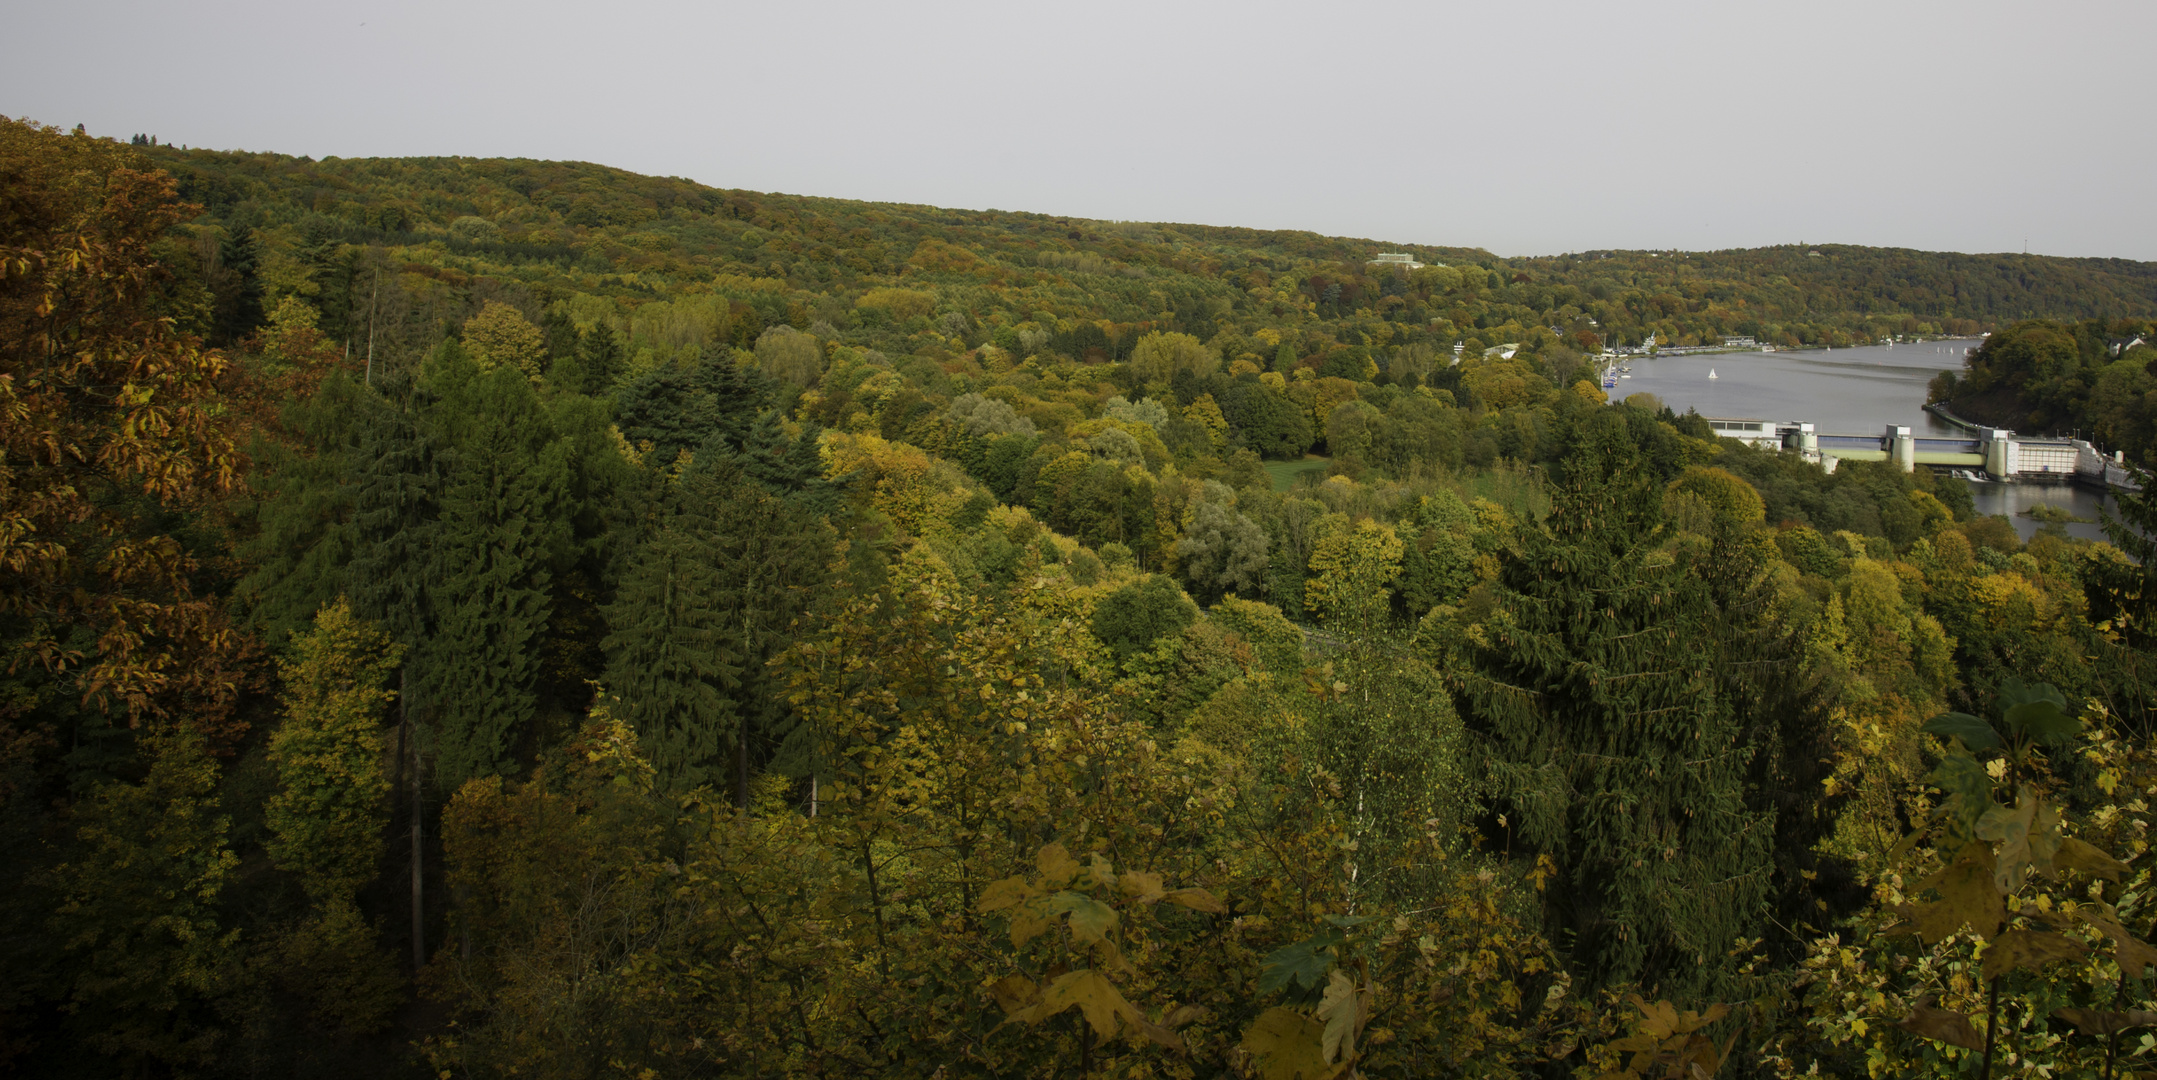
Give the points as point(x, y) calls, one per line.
point(1284, 473)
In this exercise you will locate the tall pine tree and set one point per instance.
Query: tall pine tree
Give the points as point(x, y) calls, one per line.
point(398, 498)
point(599, 358)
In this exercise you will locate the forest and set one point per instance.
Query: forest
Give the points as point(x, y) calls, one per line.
point(485, 618)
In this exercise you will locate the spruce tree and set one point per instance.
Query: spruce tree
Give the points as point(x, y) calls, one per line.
point(306, 529)
point(670, 660)
point(1613, 743)
point(712, 404)
point(237, 293)
point(599, 354)
point(770, 557)
point(786, 466)
point(396, 501)
point(501, 527)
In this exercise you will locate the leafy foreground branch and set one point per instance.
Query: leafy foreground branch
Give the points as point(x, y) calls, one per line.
point(2008, 949)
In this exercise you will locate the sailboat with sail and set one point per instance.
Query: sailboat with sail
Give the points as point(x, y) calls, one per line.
point(1711, 373)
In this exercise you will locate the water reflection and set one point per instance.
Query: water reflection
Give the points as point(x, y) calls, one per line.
point(2013, 499)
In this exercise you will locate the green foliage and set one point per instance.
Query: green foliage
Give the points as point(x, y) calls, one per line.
point(670, 659)
point(987, 416)
point(1266, 421)
point(789, 357)
point(1222, 552)
point(500, 337)
point(306, 532)
point(1132, 618)
point(139, 910)
point(500, 532)
point(1352, 573)
point(2041, 375)
point(704, 605)
point(873, 518)
point(329, 812)
point(1277, 641)
point(1159, 358)
point(1598, 672)
point(679, 409)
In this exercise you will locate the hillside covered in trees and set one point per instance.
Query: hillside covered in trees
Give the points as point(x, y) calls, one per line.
point(376, 245)
point(2090, 378)
point(489, 618)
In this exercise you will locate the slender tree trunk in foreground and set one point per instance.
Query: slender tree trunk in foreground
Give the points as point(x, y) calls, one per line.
point(419, 920)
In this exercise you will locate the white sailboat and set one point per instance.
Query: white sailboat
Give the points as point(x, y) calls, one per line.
point(1711, 373)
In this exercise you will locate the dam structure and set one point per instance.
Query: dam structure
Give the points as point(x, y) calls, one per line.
point(1996, 453)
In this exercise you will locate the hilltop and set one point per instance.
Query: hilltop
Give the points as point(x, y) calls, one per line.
point(398, 246)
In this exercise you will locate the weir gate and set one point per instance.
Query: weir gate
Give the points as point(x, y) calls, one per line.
point(1998, 453)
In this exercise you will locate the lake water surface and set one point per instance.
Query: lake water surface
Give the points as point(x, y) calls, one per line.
point(1856, 391)
point(1839, 391)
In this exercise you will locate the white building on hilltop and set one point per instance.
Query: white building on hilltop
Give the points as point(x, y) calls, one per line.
point(1405, 262)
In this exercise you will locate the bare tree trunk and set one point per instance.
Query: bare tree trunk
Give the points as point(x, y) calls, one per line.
point(741, 767)
point(404, 728)
point(419, 848)
point(376, 295)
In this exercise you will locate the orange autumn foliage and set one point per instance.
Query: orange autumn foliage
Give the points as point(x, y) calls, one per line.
point(109, 420)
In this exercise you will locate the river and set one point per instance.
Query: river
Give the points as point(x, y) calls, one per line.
point(1856, 391)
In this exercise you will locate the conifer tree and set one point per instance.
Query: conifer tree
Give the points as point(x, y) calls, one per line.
point(670, 659)
point(237, 289)
point(770, 558)
point(308, 534)
point(501, 527)
point(397, 499)
point(715, 402)
point(395, 525)
point(1613, 746)
point(599, 353)
point(786, 466)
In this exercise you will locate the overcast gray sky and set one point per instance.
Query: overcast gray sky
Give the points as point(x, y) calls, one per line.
point(1521, 127)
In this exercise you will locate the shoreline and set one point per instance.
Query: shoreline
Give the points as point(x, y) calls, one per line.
point(1710, 350)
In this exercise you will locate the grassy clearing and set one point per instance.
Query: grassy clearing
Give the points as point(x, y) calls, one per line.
point(1284, 473)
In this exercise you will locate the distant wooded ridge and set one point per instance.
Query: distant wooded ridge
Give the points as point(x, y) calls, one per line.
point(550, 231)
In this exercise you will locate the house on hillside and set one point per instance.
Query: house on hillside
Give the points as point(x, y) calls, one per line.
point(1388, 260)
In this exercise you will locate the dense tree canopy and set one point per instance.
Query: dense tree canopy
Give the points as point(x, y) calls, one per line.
point(580, 624)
